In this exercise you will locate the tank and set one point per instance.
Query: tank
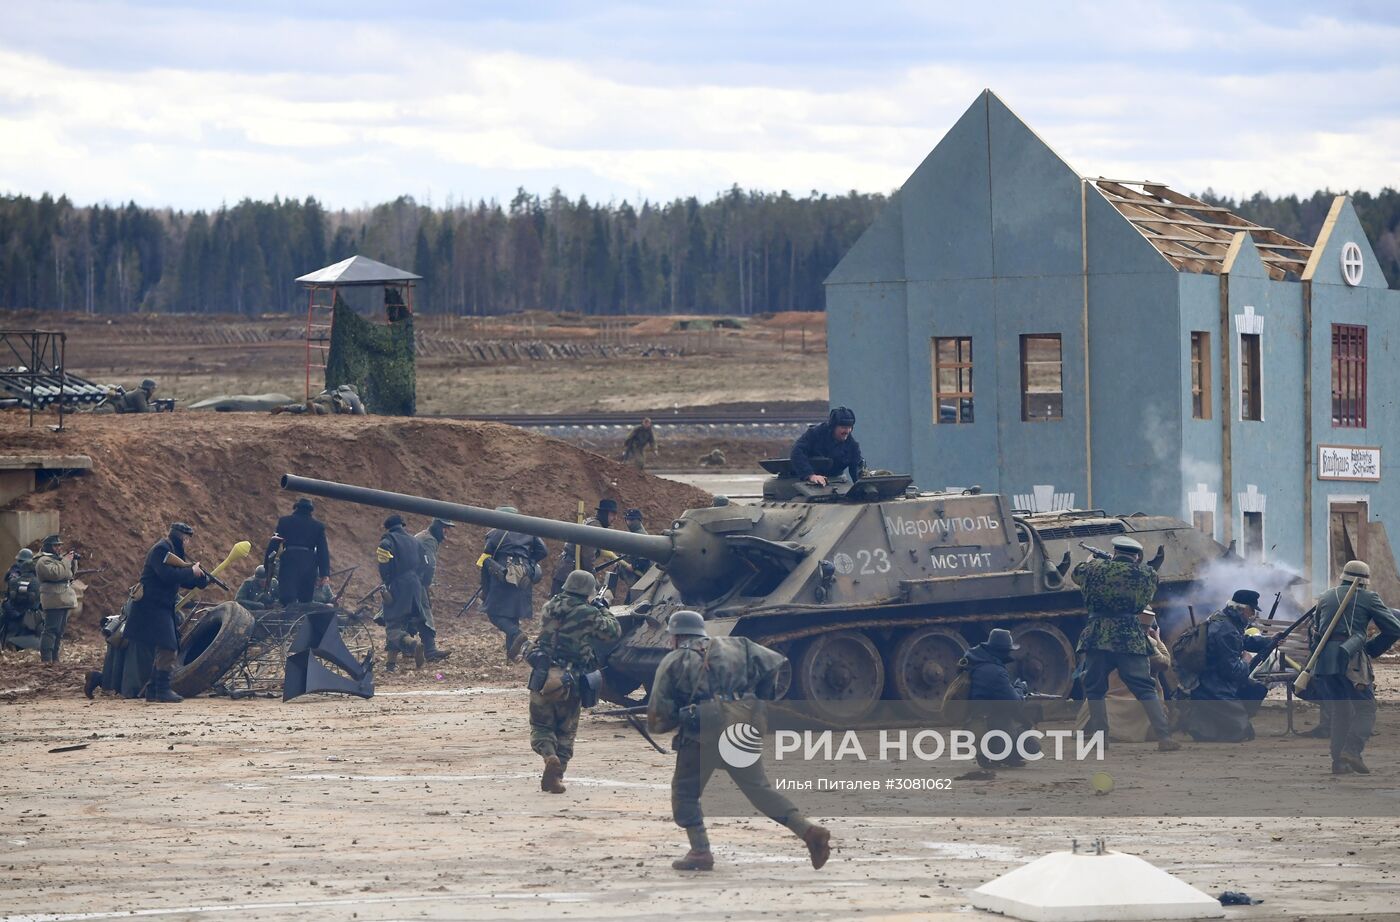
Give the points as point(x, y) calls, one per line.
point(873, 590)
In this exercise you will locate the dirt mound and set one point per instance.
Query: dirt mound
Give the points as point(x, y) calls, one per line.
point(220, 473)
point(794, 320)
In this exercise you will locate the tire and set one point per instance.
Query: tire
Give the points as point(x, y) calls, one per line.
point(207, 652)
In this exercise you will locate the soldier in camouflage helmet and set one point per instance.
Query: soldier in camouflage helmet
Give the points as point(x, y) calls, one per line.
point(1114, 592)
point(572, 630)
point(727, 671)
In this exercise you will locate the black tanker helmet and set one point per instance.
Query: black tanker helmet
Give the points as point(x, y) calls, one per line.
point(841, 416)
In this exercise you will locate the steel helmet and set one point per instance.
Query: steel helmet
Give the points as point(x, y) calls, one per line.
point(25, 555)
point(260, 572)
point(1356, 571)
point(580, 582)
point(688, 622)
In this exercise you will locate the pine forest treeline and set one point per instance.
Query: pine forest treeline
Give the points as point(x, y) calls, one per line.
point(741, 253)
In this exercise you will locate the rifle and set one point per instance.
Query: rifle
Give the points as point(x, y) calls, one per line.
point(641, 728)
point(1096, 552)
point(1276, 641)
point(474, 597)
point(174, 560)
point(621, 712)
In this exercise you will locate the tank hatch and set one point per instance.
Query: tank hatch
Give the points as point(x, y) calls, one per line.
point(785, 487)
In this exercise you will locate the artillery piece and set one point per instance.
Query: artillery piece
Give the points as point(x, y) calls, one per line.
point(872, 589)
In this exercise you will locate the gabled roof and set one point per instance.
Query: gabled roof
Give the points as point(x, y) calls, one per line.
point(357, 270)
point(1195, 236)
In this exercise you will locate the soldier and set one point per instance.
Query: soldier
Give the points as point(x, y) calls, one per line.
point(401, 566)
point(1233, 697)
point(510, 567)
point(56, 594)
point(1343, 676)
point(632, 567)
point(833, 441)
point(573, 558)
point(638, 441)
point(152, 627)
point(572, 630)
point(139, 400)
point(298, 555)
point(995, 702)
point(257, 589)
point(22, 612)
point(1114, 592)
point(431, 538)
point(701, 670)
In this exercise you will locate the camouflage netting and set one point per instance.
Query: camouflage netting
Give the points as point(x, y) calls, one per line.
point(376, 358)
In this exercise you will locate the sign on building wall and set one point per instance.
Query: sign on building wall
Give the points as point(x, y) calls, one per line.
point(1348, 462)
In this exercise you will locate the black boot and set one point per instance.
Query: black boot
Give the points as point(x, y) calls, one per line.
point(430, 650)
point(91, 682)
point(158, 688)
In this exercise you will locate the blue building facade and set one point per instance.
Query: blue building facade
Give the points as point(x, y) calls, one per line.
point(1092, 343)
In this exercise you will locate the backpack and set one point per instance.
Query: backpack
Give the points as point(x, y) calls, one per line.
point(955, 700)
point(1189, 652)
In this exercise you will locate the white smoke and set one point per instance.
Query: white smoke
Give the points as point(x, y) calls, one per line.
point(1219, 580)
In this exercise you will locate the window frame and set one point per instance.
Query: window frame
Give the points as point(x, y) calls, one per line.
point(1245, 549)
point(1349, 371)
point(963, 363)
point(1026, 394)
point(1251, 377)
point(1200, 374)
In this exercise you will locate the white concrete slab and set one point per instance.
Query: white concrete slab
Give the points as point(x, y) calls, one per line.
point(1112, 887)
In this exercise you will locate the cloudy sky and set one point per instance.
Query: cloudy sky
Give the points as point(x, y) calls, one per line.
point(189, 104)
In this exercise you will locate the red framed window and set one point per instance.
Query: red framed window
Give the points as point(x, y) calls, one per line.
point(1348, 376)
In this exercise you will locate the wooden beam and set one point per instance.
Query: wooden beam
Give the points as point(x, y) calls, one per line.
point(1169, 205)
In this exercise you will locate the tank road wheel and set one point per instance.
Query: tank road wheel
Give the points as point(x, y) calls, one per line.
point(1046, 657)
point(925, 662)
point(842, 674)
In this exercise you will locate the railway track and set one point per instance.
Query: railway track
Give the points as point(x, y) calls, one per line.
point(600, 420)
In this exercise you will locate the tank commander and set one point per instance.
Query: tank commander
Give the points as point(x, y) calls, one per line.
point(1115, 590)
point(1343, 675)
point(257, 589)
point(298, 554)
point(1233, 697)
point(572, 629)
point(510, 568)
point(701, 686)
point(833, 441)
point(638, 441)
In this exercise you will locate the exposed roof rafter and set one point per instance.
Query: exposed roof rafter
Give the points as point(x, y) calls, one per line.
point(1195, 236)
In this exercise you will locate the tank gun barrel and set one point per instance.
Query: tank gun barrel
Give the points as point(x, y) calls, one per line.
point(653, 547)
